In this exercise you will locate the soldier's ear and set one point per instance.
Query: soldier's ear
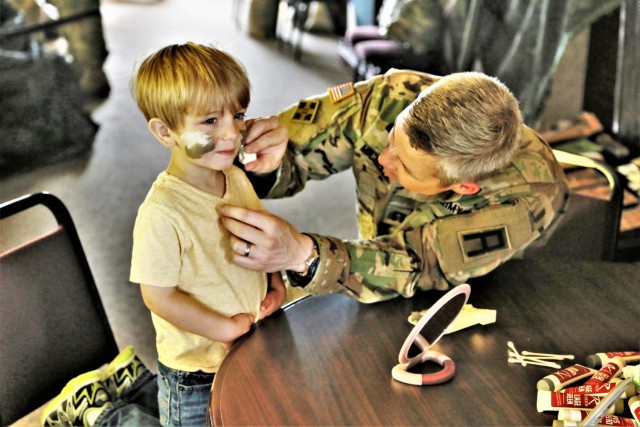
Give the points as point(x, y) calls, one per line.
point(466, 188)
point(162, 132)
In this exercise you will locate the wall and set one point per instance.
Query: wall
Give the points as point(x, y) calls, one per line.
point(567, 90)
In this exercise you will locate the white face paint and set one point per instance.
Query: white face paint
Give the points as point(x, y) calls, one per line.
point(242, 156)
point(193, 139)
point(197, 143)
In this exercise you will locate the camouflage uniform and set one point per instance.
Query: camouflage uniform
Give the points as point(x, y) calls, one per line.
point(408, 240)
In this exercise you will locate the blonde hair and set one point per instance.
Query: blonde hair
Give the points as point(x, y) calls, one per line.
point(189, 78)
point(471, 122)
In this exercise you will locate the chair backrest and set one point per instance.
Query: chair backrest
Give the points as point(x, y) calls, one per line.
point(53, 326)
point(589, 228)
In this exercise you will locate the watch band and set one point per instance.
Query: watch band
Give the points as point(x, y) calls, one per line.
point(301, 279)
point(312, 261)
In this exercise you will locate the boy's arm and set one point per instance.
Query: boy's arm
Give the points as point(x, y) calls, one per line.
point(187, 313)
point(275, 296)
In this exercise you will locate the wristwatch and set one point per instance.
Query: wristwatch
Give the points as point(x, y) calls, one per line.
point(301, 279)
point(311, 264)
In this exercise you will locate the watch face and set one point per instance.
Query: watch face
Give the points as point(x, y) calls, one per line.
point(314, 258)
point(314, 262)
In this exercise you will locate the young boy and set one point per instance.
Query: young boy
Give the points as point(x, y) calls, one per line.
point(194, 98)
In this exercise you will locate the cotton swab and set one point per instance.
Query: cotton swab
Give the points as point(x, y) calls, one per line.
point(547, 355)
point(520, 357)
point(512, 346)
point(532, 358)
point(534, 362)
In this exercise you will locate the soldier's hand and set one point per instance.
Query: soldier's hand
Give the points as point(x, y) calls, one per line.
point(265, 242)
point(267, 138)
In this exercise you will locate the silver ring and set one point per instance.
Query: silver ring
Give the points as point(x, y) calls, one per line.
point(247, 250)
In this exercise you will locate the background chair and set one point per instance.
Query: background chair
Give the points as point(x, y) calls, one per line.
point(53, 326)
point(589, 229)
point(291, 25)
point(368, 52)
point(402, 34)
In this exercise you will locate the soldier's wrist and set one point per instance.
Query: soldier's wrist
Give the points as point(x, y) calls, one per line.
point(303, 274)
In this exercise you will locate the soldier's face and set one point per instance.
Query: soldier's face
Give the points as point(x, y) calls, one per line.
point(413, 169)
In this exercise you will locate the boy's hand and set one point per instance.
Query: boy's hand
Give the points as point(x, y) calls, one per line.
point(242, 323)
point(275, 297)
point(267, 138)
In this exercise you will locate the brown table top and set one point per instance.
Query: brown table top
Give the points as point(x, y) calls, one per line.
point(327, 360)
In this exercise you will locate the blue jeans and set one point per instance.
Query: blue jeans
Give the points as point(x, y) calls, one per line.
point(183, 397)
point(139, 407)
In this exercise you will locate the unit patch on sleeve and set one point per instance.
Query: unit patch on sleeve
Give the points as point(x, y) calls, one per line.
point(478, 243)
point(306, 111)
point(340, 92)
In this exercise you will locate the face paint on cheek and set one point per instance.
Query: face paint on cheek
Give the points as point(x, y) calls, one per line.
point(197, 144)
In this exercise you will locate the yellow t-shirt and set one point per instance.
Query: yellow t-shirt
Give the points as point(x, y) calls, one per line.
point(178, 240)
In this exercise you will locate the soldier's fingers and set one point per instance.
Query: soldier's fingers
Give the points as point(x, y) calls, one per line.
point(254, 227)
point(249, 122)
point(242, 231)
point(259, 220)
point(259, 125)
point(263, 133)
point(235, 212)
point(245, 262)
point(242, 247)
point(256, 260)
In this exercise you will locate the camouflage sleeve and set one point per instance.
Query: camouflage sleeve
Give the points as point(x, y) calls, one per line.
point(430, 249)
point(532, 195)
point(322, 135)
point(325, 137)
point(369, 270)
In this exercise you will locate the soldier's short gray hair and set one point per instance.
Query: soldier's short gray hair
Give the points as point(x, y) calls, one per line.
point(470, 121)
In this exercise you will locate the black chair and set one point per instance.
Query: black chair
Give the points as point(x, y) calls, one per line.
point(589, 229)
point(53, 326)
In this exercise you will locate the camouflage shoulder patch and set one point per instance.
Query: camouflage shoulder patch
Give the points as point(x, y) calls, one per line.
point(306, 111)
point(340, 92)
point(477, 243)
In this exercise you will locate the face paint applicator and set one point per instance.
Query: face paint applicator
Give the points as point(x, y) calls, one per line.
point(242, 156)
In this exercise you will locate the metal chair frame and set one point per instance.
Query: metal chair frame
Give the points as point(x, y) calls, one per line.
point(565, 240)
point(53, 325)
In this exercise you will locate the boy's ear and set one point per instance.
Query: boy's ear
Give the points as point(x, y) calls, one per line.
point(466, 188)
point(161, 131)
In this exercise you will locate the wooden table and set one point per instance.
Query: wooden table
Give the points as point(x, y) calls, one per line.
point(327, 360)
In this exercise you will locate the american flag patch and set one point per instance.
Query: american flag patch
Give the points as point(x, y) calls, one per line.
point(340, 92)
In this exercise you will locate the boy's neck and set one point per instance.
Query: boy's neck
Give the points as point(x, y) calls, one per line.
point(208, 180)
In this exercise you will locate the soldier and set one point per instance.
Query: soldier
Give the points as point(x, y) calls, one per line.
point(450, 184)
